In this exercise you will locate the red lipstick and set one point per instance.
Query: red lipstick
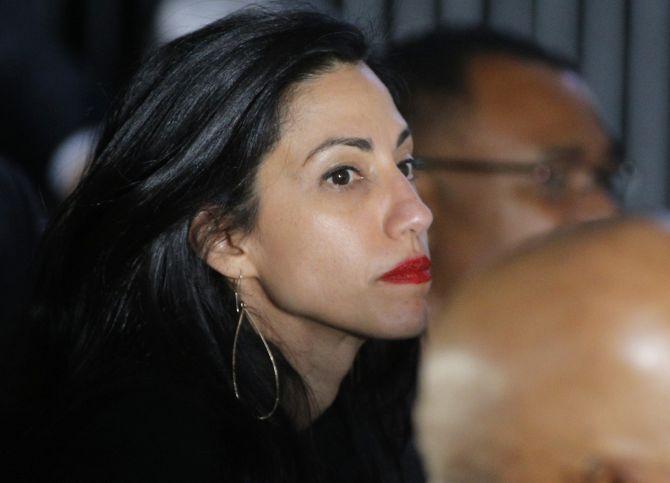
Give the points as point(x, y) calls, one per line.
point(415, 271)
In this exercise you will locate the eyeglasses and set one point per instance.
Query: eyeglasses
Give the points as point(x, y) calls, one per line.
point(559, 174)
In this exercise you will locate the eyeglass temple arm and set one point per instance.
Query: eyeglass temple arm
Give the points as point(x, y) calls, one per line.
point(469, 165)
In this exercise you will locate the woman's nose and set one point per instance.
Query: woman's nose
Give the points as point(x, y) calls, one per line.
point(407, 212)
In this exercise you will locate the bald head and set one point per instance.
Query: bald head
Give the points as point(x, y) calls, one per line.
point(554, 365)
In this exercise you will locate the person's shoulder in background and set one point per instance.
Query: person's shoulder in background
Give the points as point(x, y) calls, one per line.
point(22, 221)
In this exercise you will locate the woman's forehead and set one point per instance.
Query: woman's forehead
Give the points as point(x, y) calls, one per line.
point(349, 100)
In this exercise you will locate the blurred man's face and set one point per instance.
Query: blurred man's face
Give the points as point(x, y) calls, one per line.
point(518, 113)
point(557, 378)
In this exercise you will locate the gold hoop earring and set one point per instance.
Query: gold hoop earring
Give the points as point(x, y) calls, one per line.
point(240, 307)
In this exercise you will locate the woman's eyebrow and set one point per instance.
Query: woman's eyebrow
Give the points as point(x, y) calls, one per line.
point(364, 144)
point(360, 143)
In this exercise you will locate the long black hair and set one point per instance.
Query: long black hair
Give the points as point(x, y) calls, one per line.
point(123, 291)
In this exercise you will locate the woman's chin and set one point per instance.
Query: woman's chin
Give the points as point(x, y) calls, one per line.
point(404, 323)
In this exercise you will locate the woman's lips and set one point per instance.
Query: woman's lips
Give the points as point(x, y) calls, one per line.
point(415, 270)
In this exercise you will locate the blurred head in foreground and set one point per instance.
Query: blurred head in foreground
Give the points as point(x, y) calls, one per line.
point(554, 365)
point(512, 143)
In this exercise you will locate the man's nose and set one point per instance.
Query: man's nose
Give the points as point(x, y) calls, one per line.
point(594, 205)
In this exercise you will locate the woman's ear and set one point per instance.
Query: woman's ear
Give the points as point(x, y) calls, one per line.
point(223, 250)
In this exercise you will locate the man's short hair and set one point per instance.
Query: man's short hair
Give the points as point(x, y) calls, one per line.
point(436, 62)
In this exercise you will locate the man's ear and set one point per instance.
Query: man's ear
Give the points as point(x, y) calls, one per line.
point(226, 251)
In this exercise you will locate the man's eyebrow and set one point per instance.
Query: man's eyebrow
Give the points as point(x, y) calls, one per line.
point(403, 137)
point(614, 150)
point(360, 143)
point(570, 153)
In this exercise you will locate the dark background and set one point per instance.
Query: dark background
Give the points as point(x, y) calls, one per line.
point(61, 61)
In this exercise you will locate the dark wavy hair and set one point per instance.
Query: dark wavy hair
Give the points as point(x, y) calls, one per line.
point(122, 291)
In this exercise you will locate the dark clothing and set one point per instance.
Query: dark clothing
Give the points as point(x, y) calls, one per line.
point(158, 430)
point(150, 435)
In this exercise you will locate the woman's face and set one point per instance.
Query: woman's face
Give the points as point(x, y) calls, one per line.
point(338, 210)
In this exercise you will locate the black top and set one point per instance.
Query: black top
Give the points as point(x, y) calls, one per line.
point(142, 436)
point(158, 431)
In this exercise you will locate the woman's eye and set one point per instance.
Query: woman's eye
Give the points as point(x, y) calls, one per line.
point(407, 168)
point(342, 176)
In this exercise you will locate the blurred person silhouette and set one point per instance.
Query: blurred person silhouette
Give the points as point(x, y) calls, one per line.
point(21, 224)
point(60, 65)
point(553, 365)
point(512, 141)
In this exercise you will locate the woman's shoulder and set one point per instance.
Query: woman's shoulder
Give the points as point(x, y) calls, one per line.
point(156, 433)
point(149, 431)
